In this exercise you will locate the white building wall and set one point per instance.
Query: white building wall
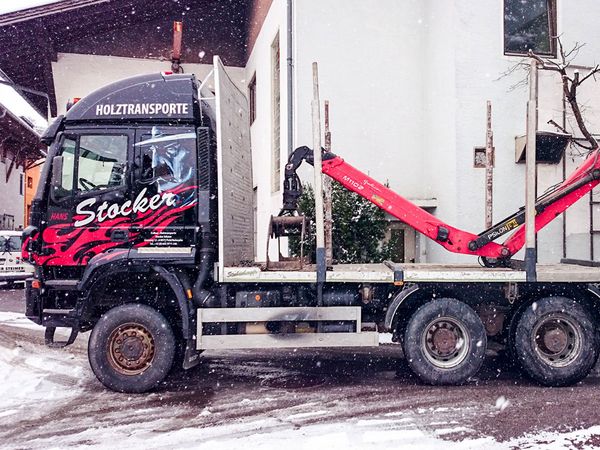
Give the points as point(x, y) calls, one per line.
point(370, 69)
point(259, 65)
point(439, 94)
point(407, 83)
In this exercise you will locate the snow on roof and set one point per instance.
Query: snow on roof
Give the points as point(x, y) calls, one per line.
point(32, 9)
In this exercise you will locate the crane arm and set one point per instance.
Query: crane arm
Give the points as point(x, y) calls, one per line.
point(548, 207)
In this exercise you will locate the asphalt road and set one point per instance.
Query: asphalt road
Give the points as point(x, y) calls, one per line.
point(285, 390)
point(12, 300)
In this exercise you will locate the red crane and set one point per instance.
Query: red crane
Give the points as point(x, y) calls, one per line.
point(548, 206)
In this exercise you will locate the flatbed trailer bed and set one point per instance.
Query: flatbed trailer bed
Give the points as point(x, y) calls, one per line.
point(407, 273)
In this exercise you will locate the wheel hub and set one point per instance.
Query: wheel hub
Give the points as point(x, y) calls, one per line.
point(130, 349)
point(444, 340)
point(555, 340)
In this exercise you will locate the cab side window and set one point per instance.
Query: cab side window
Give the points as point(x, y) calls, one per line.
point(167, 158)
point(101, 162)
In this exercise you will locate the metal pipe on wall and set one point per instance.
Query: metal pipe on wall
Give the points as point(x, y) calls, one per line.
point(530, 178)
point(290, 77)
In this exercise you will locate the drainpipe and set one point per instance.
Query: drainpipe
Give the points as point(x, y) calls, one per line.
point(290, 79)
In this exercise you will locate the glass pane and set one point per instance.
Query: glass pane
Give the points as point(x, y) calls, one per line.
point(102, 161)
point(10, 243)
point(168, 160)
point(527, 26)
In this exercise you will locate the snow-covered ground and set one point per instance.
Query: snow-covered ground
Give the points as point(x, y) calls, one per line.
point(300, 400)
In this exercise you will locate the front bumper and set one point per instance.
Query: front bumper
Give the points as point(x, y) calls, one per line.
point(15, 276)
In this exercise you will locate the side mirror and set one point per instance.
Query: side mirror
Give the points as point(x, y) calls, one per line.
point(56, 187)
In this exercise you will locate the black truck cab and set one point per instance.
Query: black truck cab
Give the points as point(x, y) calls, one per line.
point(129, 179)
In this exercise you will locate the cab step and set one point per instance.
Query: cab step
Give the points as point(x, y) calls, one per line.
point(59, 318)
point(52, 343)
point(62, 285)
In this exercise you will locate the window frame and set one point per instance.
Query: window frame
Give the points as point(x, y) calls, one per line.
point(552, 31)
point(75, 135)
point(80, 193)
point(276, 116)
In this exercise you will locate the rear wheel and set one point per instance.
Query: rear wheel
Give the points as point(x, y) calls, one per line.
point(445, 342)
point(555, 341)
point(131, 348)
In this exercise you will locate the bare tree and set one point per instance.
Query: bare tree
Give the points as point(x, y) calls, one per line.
point(570, 85)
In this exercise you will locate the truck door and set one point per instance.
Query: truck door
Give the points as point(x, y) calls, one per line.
point(89, 204)
point(165, 190)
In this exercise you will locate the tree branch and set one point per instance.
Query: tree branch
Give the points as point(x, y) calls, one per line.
point(570, 85)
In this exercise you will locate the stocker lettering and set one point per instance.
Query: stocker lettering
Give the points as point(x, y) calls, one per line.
point(106, 211)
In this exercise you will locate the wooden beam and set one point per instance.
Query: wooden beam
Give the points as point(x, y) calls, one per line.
point(45, 44)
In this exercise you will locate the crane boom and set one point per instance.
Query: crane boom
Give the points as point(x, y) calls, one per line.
point(548, 207)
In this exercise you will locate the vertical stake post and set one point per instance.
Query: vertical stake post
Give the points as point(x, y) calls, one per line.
point(530, 163)
point(327, 198)
point(319, 216)
point(489, 168)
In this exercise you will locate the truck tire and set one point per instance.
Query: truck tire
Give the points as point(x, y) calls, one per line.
point(131, 348)
point(445, 342)
point(555, 341)
point(511, 351)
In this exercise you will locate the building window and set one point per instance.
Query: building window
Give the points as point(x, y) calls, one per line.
point(21, 183)
point(276, 116)
point(252, 98)
point(30, 182)
point(530, 25)
point(480, 157)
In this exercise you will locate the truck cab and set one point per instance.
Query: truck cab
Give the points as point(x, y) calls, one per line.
point(129, 180)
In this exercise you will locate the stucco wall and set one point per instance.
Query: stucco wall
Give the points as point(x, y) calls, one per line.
point(259, 65)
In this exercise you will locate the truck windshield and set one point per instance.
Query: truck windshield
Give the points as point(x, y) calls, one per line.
point(10, 244)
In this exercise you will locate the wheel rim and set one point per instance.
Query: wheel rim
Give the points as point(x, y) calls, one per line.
point(131, 349)
point(445, 342)
point(557, 339)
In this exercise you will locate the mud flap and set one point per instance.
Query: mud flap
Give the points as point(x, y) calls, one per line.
point(191, 357)
point(50, 342)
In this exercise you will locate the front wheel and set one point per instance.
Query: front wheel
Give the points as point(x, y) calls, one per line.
point(445, 342)
point(131, 348)
point(555, 341)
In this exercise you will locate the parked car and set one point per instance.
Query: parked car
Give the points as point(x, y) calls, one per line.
point(12, 266)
